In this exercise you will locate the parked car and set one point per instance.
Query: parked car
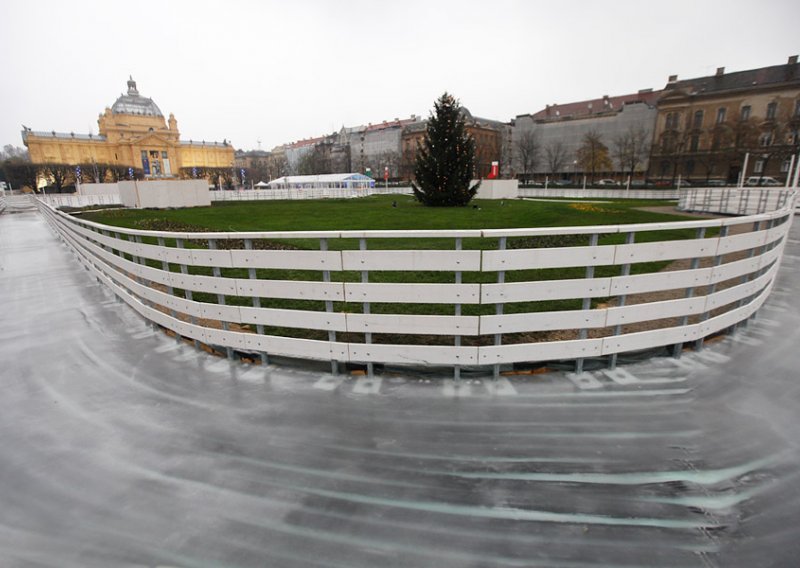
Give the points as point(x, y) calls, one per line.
point(607, 182)
point(715, 183)
point(561, 182)
point(754, 181)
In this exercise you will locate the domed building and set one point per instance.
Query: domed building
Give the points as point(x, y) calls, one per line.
point(131, 133)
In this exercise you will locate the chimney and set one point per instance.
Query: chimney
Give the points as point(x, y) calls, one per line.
point(720, 71)
point(605, 101)
point(792, 60)
point(672, 79)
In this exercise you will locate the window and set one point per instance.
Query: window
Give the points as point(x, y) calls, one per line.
point(785, 166)
point(689, 167)
point(721, 115)
point(765, 139)
point(672, 121)
point(772, 108)
point(759, 167)
point(698, 119)
point(745, 112)
point(791, 138)
point(694, 142)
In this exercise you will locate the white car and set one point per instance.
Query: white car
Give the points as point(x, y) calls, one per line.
point(607, 182)
point(754, 181)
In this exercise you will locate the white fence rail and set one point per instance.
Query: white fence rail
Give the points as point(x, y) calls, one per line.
point(620, 193)
point(473, 297)
point(734, 201)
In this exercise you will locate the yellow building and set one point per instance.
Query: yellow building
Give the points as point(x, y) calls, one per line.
point(132, 133)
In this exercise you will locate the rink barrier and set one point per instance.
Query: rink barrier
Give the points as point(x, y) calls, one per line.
point(214, 288)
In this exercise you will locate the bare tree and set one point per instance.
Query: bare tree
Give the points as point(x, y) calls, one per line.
point(631, 149)
point(527, 150)
point(278, 166)
point(593, 154)
point(556, 156)
point(60, 175)
point(11, 152)
point(22, 174)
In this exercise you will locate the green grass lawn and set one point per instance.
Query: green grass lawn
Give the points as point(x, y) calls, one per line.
point(379, 213)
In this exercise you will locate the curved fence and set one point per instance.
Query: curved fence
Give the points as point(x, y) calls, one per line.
point(617, 193)
point(491, 298)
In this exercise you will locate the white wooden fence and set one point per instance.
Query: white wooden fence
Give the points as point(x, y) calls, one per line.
point(492, 297)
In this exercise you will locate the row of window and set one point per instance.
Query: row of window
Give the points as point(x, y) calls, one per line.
point(673, 118)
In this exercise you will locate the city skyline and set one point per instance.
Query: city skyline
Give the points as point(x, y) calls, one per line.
point(276, 74)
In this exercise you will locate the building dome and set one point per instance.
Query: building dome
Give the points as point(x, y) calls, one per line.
point(134, 103)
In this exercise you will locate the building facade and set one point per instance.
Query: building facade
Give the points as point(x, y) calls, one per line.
point(132, 133)
point(489, 135)
point(708, 127)
point(547, 143)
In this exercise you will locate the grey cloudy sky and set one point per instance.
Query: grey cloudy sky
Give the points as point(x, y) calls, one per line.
point(281, 71)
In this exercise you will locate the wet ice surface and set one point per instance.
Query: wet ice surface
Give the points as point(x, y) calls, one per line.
point(121, 447)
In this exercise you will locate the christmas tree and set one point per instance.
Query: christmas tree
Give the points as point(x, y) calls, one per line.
point(445, 161)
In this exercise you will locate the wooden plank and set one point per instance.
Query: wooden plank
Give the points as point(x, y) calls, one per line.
point(290, 289)
point(542, 321)
point(430, 260)
point(744, 241)
point(537, 352)
point(545, 290)
point(621, 315)
point(650, 339)
point(287, 259)
point(413, 354)
point(210, 284)
point(665, 250)
point(673, 280)
point(305, 319)
point(301, 348)
point(413, 324)
point(218, 258)
point(562, 257)
point(413, 293)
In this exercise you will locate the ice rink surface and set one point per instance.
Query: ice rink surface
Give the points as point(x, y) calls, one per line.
point(123, 447)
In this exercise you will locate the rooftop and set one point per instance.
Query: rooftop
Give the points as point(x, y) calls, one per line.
point(134, 103)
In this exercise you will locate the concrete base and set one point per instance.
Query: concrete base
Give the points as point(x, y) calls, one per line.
point(160, 194)
point(497, 189)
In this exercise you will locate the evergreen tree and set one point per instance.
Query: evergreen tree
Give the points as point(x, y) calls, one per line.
point(445, 161)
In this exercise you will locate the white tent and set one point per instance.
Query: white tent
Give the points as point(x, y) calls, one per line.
point(351, 180)
point(261, 185)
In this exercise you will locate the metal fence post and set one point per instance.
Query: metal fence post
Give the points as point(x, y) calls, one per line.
point(678, 347)
point(212, 245)
point(498, 310)
point(457, 339)
point(187, 293)
point(251, 273)
point(326, 277)
point(626, 270)
point(723, 232)
point(587, 304)
point(362, 245)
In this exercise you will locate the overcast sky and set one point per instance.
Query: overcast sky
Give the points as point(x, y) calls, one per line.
point(281, 71)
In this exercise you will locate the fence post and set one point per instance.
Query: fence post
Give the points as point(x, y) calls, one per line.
point(362, 245)
point(723, 232)
point(587, 304)
point(251, 273)
point(212, 245)
point(187, 293)
point(457, 340)
point(626, 270)
point(326, 277)
point(678, 347)
point(498, 310)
